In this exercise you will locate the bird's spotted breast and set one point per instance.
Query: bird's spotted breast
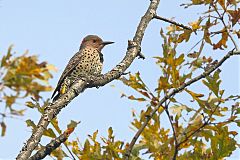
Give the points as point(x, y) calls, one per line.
point(90, 64)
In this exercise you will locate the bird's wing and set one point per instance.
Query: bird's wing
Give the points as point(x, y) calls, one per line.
point(70, 66)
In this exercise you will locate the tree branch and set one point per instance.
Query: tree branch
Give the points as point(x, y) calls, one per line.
point(173, 129)
point(55, 143)
point(79, 86)
point(172, 22)
point(175, 91)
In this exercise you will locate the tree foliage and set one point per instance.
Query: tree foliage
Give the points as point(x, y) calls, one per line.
point(21, 76)
point(199, 129)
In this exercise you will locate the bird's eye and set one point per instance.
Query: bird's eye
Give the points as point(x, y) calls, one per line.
point(94, 41)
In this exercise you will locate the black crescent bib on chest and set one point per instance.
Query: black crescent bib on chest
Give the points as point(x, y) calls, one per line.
point(101, 56)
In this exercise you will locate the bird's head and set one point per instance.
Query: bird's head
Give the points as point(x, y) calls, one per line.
point(94, 42)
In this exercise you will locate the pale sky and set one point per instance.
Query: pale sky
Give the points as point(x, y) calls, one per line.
point(54, 29)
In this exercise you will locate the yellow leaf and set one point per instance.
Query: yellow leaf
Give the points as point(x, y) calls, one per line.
point(94, 135)
point(194, 95)
point(179, 60)
point(54, 122)
point(58, 153)
point(163, 83)
point(171, 28)
point(213, 99)
point(30, 123)
point(206, 32)
point(110, 132)
point(178, 109)
point(197, 121)
point(52, 67)
point(49, 132)
point(30, 104)
point(10, 100)
point(195, 25)
point(224, 109)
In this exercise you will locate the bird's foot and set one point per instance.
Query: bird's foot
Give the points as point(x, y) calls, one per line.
point(132, 44)
point(140, 55)
point(125, 73)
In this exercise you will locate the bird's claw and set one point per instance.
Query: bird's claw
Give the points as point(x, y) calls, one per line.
point(125, 73)
point(140, 55)
point(132, 44)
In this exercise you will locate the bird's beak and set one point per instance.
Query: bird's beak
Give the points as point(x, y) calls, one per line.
point(106, 43)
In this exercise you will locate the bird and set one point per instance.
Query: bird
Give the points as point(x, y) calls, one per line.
point(88, 61)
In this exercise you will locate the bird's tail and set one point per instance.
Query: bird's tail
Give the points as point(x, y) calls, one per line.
point(55, 97)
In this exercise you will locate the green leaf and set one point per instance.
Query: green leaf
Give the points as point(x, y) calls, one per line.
point(72, 124)
point(30, 104)
point(87, 145)
point(238, 123)
point(95, 135)
point(49, 133)
point(30, 123)
point(5, 59)
point(110, 132)
point(137, 148)
point(179, 60)
point(54, 122)
point(213, 82)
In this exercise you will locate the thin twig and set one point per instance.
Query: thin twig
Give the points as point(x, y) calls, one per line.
point(195, 45)
point(173, 129)
point(69, 151)
point(172, 22)
point(175, 91)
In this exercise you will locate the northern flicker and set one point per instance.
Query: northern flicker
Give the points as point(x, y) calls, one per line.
point(87, 61)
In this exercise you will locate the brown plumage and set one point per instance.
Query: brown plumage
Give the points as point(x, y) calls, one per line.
point(87, 61)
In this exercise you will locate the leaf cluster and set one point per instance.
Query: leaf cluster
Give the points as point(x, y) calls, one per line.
point(21, 76)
